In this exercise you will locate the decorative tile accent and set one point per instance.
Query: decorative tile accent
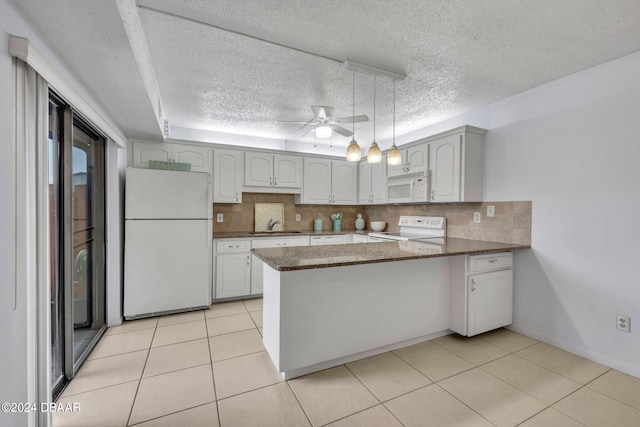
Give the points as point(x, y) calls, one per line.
point(265, 212)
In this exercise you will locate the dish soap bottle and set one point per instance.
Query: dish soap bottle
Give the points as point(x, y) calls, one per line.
point(317, 224)
point(359, 222)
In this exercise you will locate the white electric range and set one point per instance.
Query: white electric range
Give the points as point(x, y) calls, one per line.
point(433, 228)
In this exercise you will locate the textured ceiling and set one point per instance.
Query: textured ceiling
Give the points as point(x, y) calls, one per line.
point(457, 55)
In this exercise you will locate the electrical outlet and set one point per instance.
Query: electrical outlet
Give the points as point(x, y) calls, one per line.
point(298, 217)
point(491, 211)
point(623, 323)
point(476, 217)
point(220, 218)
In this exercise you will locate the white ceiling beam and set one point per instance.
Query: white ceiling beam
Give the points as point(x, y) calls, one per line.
point(135, 33)
point(361, 68)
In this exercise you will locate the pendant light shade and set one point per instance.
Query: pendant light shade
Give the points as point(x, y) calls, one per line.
point(354, 154)
point(374, 155)
point(394, 157)
point(353, 151)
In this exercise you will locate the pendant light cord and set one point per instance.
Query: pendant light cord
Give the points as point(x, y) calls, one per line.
point(394, 112)
point(353, 107)
point(374, 108)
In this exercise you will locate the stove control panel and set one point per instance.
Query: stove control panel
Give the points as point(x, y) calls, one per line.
point(431, 222)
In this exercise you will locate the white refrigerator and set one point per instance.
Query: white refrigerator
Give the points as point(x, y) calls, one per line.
point(168, 243)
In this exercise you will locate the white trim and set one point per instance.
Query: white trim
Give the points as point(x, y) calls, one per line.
point(20, 47)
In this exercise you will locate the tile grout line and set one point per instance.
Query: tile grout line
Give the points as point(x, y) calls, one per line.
point(213, 379)
point(605, 394)
point(464, 403)
point(172, 413)
point(135, 397)
point(380, 402)
point(298, 400)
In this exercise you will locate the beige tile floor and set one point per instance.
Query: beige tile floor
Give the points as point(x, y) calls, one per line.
point(209, 368)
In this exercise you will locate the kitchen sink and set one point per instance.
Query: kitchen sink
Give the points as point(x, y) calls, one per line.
point(269, 233)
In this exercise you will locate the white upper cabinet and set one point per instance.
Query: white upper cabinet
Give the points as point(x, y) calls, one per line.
point(272, 170)
point(228, 169)
point(317, 181)
point(329, 182)
point(196, 156)
point(456, 165)
point(287, 171)
point(414, 159)
point(344, 182)
point(371, 182)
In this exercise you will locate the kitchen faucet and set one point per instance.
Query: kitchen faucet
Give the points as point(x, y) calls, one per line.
point(271, 224)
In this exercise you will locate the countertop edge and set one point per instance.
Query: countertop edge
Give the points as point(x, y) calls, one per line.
point(508, 247)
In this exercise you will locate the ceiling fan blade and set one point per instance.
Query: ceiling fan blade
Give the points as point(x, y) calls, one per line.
point(318, 112)
point(322, 112)
point(342, 131)
point(356, 119)
point(293, 121)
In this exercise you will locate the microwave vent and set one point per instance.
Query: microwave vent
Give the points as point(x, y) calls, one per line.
point(421, 174)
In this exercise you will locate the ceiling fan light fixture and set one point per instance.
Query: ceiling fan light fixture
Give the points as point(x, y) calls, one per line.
point(374, 155)
point(323, 131)
point(354, 154)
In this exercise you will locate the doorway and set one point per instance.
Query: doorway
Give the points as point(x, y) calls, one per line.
point(76, 239)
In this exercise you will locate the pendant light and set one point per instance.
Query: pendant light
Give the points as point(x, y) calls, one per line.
point(374, 155)
point(354, 154)
point(394, 157)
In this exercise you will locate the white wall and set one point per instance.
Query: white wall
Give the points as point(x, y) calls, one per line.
point(572, 147)
point(12, 358)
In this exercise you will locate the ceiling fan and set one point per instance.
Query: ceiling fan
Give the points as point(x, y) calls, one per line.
point(324, 123)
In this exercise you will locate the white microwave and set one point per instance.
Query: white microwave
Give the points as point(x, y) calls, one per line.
point(409, 188)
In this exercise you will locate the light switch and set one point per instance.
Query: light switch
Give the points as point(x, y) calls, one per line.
point(298, 217)
point(220, 217)
point(491, 211)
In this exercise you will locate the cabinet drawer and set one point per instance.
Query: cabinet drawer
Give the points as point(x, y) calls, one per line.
point(329, 240)
point(489, 262)
point(231, 246)
point(282, 242)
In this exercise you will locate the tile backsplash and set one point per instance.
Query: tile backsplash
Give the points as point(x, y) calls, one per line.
point(511, 224)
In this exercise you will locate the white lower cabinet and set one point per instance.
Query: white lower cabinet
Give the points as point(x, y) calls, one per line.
point(233, 268)
point(256, 266)
point(480, 293)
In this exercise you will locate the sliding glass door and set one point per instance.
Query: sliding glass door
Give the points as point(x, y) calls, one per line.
point(77, 242)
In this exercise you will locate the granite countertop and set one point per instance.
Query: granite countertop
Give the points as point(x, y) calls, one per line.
point(310, 257)
point(260, 234)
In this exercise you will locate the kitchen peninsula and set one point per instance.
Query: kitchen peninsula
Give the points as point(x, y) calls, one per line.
point(328, 305)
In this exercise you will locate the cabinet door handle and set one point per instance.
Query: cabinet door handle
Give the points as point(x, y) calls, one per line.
point(432, 194)
point(493, 261)
point(275, 181)
point(270, 180)
point(248, 259)
point(236, 196)
point(473, 285)
point(329, 198)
